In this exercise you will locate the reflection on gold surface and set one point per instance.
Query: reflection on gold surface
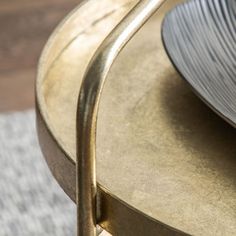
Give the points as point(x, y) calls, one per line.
point(159, 148)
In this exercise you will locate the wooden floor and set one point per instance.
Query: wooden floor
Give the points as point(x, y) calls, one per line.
point(25, 26)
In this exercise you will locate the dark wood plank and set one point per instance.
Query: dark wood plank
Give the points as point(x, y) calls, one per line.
point(25, 26)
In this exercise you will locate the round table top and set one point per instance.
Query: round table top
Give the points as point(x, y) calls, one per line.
point(161, 153)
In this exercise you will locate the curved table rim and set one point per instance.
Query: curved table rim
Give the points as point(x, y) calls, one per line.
point(117, 217)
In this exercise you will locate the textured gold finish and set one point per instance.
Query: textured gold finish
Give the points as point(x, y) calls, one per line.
point(166, 163)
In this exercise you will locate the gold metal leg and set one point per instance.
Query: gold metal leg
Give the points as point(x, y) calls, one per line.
point(87, 111)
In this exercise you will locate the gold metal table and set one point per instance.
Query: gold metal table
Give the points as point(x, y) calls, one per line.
point(166, 164)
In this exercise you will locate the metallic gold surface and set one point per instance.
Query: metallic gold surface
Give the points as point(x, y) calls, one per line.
point(162, 155)
point(87, 110)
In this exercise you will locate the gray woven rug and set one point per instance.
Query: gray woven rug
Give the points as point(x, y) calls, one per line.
point(31, 202)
